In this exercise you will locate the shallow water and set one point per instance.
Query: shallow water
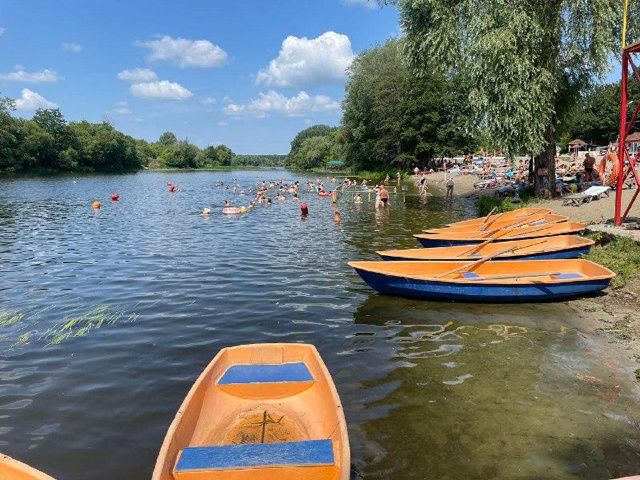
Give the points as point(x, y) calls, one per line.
point(107, 318)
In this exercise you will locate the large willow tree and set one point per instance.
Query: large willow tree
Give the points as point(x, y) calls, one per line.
point(526, 62)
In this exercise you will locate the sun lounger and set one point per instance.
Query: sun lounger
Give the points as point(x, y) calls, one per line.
point(590, 194)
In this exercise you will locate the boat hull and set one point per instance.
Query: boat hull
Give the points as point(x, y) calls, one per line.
point(478, 293)
point(557, 255)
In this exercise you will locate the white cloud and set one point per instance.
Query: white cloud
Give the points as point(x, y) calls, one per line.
point(30, 100)
point(163, 90)
point(138, 75)
point(2, 30)
point(122, 108)
point(20, 75)
point(227, 99)
point(223, 124)
point(72, 47)
point(305, 63)
point(366, 3)
point(209, 101)
point(185, 53)
point(274, 102)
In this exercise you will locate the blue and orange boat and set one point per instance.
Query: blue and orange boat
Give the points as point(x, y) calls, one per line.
point(263, 412)
point(520, 233)
point(11, 469)
point(494, 282)
point(558, 247)
point(513, 215)
point(530, 221)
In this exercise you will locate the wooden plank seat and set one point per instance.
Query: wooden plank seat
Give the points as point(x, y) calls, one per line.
point(262, 380)
point(307, 459)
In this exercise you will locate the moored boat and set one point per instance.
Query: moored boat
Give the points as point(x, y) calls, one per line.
point(529, 221)
point(495, 282)
point(11, 469)
point(520, 233)
point(264, 411)
point(547, 248)
point(519, 214)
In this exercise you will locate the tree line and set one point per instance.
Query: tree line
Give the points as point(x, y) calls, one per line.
point(49, 143)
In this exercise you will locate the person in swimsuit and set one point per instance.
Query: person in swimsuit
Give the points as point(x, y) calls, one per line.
point(589, 163)
point(384, 196)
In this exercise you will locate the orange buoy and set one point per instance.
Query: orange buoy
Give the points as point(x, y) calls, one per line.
point(115, 197)
point(96, 205)
point(610, 179)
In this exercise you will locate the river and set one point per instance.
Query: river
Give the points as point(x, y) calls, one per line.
point(107, 318)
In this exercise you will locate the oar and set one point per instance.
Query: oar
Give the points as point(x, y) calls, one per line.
point(481, 245)
point(525, 246)
point(475, 263)
point(501, 277)
point(533, 231)
point(530, 219)
point(490, 213)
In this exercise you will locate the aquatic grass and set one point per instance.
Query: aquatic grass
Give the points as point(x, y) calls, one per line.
point(85, 323)
point(10, 317)
point(621, 255)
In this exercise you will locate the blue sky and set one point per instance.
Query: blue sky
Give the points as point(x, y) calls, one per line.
point(212, 71)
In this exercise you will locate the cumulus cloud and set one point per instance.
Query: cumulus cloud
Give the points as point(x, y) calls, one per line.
point(304, 62)
point(138, 75)
point(162, 90)
point(72, 47)
point(20, 75)
point(209, 101)
point(274, 102)
point(185, 53)
point(30, 100)
point(366, 3)
point(2, 30)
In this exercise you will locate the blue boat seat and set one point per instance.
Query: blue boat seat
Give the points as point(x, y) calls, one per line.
point(567, 276)
point(266, 373)
point(470, 275)
point(311, 453)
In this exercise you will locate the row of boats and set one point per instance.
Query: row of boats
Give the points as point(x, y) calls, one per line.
point(257, 412)
point(529, 254)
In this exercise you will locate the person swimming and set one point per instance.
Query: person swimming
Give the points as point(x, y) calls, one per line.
point(227, 203)
point(336, 216)
point(357, 198)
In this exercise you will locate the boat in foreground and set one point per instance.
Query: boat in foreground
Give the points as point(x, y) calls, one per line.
point(264, 411)
point(11, 469)
point(495, 282)
point(521, 233)
point(529, 221)
point(547, 248)
point(519, 214)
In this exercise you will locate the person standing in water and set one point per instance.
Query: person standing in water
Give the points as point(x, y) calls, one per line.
point(450, 185)
point(384, 196)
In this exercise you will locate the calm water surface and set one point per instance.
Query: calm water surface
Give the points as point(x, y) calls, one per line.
point(107, 318)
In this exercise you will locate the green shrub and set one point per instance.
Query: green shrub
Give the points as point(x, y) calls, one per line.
point(621, 255)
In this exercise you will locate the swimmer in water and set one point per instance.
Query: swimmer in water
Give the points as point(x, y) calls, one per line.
point(336, 216)
point(357, 198)
point(206, 212)
point(227, 203)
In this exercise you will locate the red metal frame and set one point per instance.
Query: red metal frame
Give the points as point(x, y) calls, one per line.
point(625, 130)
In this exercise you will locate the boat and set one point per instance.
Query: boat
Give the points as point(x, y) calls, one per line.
point(529, 221)
point(518, 214)
point(547, 248)
point(263, 411)
point(520, 233)
point(517, 281)
point(11, 469)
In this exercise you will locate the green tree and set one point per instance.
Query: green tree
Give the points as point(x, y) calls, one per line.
point(394, 119)
point(312, 131)
point(59, 137)
point(526, 61)
point(225, 155)
point(168, 139)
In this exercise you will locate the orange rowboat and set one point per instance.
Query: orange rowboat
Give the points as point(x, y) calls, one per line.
point(522, 233)
point(11, 469)
point(263, 412)
point(529, 221)
point(561, 246)
point(520, 214)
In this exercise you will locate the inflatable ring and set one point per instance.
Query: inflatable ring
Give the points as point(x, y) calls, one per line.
point(613, 176)
point(231, 211)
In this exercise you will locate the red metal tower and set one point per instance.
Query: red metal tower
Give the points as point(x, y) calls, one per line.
point(627, 164)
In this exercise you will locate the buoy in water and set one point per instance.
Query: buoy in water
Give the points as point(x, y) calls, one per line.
point(115, 197)
point(96, 205)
